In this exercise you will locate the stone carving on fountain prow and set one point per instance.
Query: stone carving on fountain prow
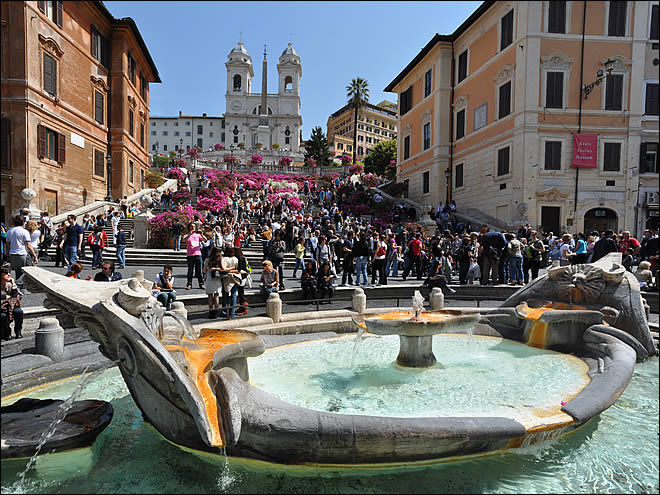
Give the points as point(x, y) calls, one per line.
point(570, 296)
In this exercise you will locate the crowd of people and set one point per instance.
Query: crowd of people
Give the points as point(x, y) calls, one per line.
point(330, 246)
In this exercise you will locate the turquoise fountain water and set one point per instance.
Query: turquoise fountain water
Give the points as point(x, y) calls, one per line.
point(616, 453)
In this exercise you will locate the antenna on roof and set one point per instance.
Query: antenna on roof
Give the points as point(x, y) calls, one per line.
point(240, 37)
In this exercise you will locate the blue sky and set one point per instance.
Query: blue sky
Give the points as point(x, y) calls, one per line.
point(336, 41)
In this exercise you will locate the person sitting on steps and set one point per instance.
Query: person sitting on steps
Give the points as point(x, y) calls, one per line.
point(163, 288)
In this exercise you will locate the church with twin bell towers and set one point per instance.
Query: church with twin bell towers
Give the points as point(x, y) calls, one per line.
point(263, 118)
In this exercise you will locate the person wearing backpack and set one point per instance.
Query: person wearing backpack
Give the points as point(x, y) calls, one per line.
point(97, 241)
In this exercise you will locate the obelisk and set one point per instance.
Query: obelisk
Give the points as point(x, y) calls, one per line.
point(263, 131)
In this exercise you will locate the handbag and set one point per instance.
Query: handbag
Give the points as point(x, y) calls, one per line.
point(247, 281)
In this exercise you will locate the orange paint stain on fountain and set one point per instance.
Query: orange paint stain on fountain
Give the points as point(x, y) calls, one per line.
point(404, 315)
point(199, 357)
point(539, 329)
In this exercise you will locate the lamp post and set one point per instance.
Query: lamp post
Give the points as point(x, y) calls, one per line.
point(588, 88)
point(231, 160)
point(448, 177)
point(108, 161)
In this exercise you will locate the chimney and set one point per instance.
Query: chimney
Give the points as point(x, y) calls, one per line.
point(203, 115)
point(179, 113)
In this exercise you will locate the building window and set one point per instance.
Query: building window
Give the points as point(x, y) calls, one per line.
point(462, 65)
point(50, 75)
point(340, 146)
point(223, 137)
point(142, 135)
point(131, 122)
point(368, 139)
point(554, 90)
point(188, 133)
point(360, 150)
point(237, 82)
point(653, 34)
point(176, 133)
point(426, 182)
point(164, 147)
point(144, 87)
point(406, 187)
point(235, 139)
point(131, 171)
point(199, 142)
point(154, 133)
point(648, 158)
point(614, 92)
point(503, 161)
point(51, 144)
point(427, 136)
point(360, 137)
point(52, 9)
point(406, 147)
point(131, 68)
point(98, 106)
point(164, 133)
point(153, 147)
point(349, 147)
point(557, 17)
point(427, 83)
point(210, 134)
point(187, 122)
point(405, 101)
point(200, 129)
point(460, 124)
point(651, 103)
point(141, 178)
point(552, 155)
point(287, 140)
point(506, 35)
point(616, 24)
point(612, 157)
point(98, 163)
point(100, 47)
point(458, 175)
point(505, 100)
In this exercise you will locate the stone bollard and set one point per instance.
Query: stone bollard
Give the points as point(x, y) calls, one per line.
point(139, 274)
point(274, 307)
point(437, 299)
point(49, 339)
point(179, 308)
point(359, 301)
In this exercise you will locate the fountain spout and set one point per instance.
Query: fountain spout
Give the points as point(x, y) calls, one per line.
point(417, 306)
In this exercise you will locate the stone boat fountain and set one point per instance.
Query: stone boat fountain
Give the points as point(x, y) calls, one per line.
point(193, 386)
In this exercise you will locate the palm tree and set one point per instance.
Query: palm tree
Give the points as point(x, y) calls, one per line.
point(357, 94)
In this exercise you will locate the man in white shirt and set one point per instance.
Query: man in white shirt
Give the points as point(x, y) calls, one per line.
point(115, 222)
point(18, 246)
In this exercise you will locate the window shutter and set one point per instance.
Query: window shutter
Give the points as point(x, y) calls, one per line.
point(642, 159)
point(41, 138)
point(614, 92)
point(98, 107)
point(58, 13)
point(617, 18)
point(61, 151)
point(651, 104)
point(95, 43)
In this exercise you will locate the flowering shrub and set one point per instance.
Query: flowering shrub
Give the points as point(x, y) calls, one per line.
point(180, 162)
point(182, 196)
point(345, 159)
point(193, 153)
point(256, 159)
point(154, 179)
point(370, 180)
point(394, 188)
point(310, 162)
point(285, 161)
point(160, 226)
point(230, 159)
point(176, 173)
point(356, 169)
point(219, 147)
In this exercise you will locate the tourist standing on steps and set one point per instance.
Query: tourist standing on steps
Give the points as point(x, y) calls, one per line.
point(300, 254)
point(18, 247)
point(72, 240)
point(177, 230)
point(230, 282)
point(347, 263)
point(97, 241)
point(415, 250)
point(10, 304)
point(115, 222)
point(193, 242)
point(378, 261)
point(214, 273)
point(121, 246)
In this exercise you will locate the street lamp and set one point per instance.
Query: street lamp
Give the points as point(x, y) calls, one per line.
point(231, 160)
point(609, 67)
point(108, 161)
point(448, 177)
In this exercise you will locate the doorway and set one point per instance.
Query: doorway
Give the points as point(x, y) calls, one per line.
point(550, 219)
point(600, 219)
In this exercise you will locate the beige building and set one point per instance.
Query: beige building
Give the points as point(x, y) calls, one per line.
point(488, 115)
point(376, 123)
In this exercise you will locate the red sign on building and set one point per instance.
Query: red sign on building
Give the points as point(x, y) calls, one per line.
point(584, 150)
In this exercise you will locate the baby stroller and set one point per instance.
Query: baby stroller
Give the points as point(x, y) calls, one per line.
point(44, 245)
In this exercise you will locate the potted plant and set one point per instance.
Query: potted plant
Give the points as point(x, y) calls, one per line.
point(241, 145)
point(259, 145)
point(276, 146)
point(286, 161)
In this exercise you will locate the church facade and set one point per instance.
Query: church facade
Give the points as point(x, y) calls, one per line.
point(263, 118)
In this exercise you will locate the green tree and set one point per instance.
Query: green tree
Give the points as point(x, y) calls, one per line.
point(317, 147)
point(357, 94)
point(378, 161)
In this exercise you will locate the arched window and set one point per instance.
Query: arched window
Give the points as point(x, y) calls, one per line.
point(237, 82)
point(288, 84)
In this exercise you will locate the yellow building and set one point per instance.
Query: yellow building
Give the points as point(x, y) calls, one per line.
point(376, 123)
point(489, 115)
